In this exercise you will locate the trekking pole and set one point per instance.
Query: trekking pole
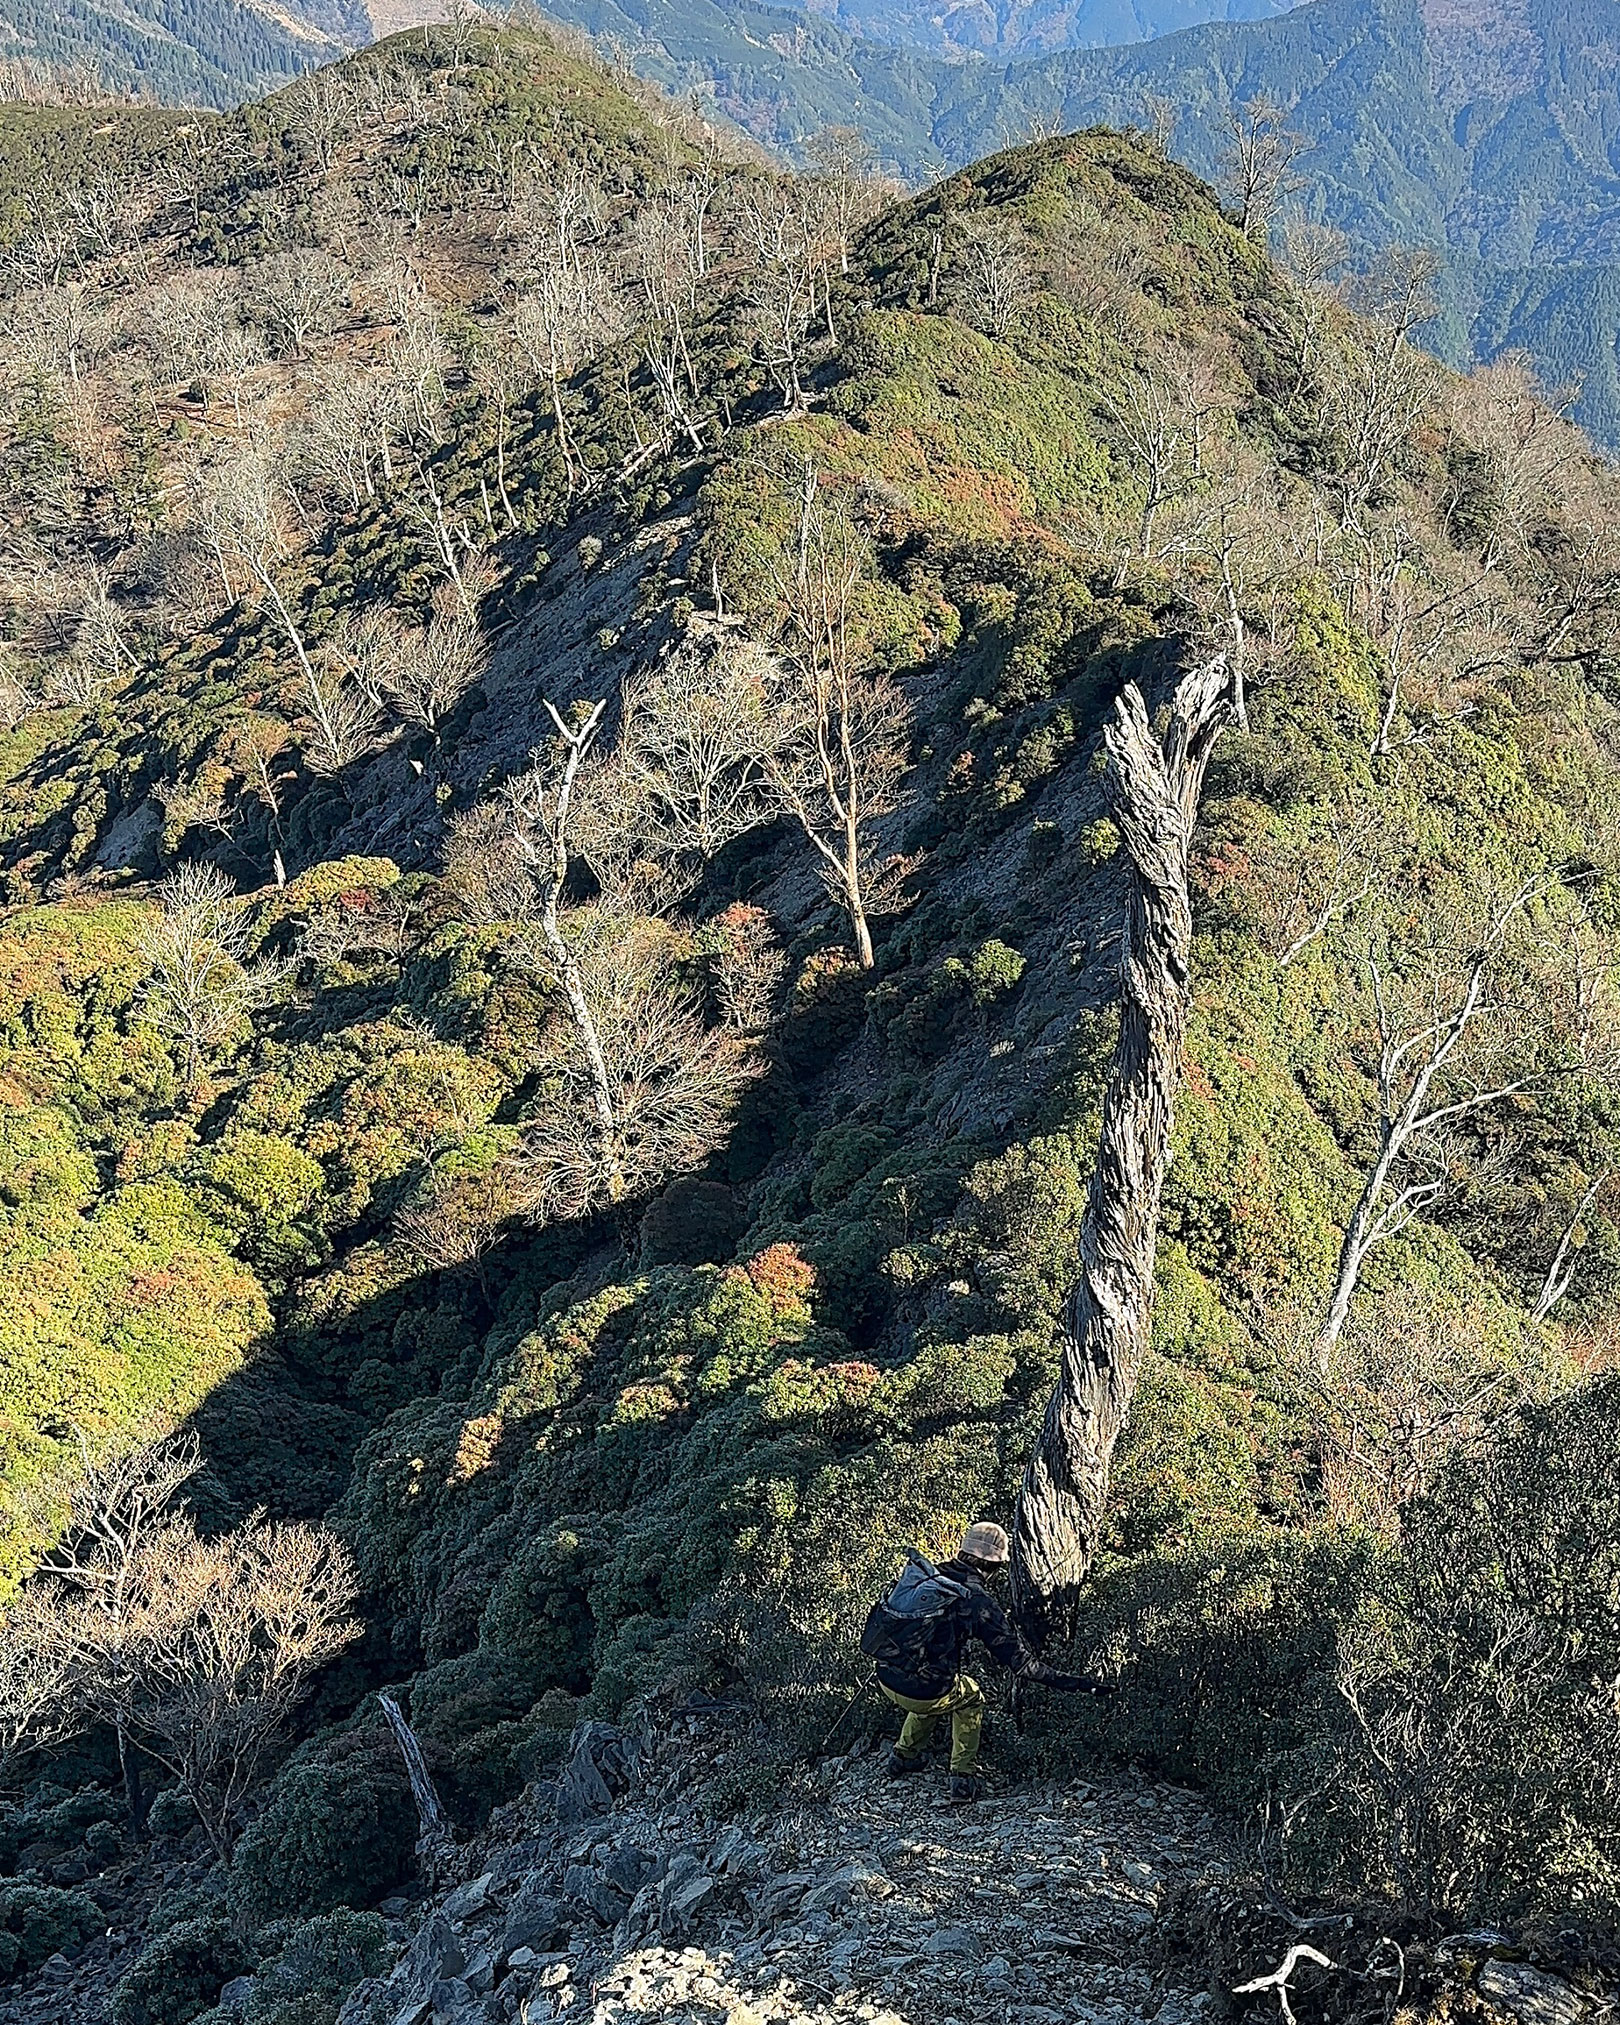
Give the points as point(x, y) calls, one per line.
point(849, 1709)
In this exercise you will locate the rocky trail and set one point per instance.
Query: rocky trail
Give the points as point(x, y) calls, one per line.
point(853, 1897)
point(633, 1887)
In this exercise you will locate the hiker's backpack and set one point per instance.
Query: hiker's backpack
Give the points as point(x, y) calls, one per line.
point(903, 1631)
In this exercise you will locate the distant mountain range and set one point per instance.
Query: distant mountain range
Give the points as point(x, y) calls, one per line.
point(1017, 28)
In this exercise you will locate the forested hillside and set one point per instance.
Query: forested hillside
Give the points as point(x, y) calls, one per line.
point(560, 966)
point(184, 52)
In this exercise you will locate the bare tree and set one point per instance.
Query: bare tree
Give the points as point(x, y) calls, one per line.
point(186, 326)
point(460, 1220)
point(1416, 1385)
point(846, 182)
point(1161, 431)
point(1230, 532)
point(41, 1699)
point(343, 720)
point(687, 774)
point(1314, 256)
point(56, 329)
point(992, 281)
point(1522, 442)
point(645, 1087)
point(297, 295)
point(18, 697)
point(241, 508)
point(425, 671)
point(842, 729)
point(504, 376)
point(1259, 163)
point(541, 806)
point(344, 443)
point(203, 981)
point(115, 1510)
point(320, 108)
point(783, 283)
point(1375, 384)
point(1555, 1285)
point(557, 328)
point(219, 1642)
point(671, 1082)
point(1470, 1003)
point(749, 966)
point(490, 866)
point(1307, 884)
point(1154, 788)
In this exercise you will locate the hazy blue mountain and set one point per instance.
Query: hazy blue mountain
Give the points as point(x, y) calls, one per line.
point(1016, 28)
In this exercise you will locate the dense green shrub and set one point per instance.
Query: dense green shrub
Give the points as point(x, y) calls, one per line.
point(36, 1920)
point(50, 1815)
point(337, 1829)
point(180, 1974)
point(172, 1813)
point(1223, 1655)
point(692, 1223)
point(314, 1968)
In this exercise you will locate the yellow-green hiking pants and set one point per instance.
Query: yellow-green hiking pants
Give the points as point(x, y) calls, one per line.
point(964, 1704)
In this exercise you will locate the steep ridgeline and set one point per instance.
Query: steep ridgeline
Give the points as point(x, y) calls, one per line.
point(562, 932)
point(1491, 134)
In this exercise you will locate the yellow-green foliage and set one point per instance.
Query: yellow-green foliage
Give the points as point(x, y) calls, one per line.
point(68, 978)
point(112, 1323)
point(981, 438)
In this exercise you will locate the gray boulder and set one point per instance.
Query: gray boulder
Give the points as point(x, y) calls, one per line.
point(602, 1765)
point(683, 1892)
point(1529, 1994)
point(535, 1919)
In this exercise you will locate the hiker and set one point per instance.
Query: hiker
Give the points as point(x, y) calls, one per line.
point(916, 1634)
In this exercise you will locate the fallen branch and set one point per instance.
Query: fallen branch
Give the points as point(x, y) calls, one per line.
point(1278, 1979)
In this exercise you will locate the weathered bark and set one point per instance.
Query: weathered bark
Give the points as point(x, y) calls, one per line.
point(434, 1840)
point(1154, 790)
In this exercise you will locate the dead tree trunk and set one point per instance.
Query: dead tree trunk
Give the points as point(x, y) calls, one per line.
point(1154, 789)
point(434, 1842)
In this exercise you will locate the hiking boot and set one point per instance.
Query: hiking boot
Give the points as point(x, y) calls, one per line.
point(965, 1787)
point(900, 1764)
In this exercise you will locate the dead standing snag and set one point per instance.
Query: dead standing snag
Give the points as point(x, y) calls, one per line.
point(1154, 788)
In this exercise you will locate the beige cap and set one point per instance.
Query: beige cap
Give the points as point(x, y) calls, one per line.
point(985, 1542)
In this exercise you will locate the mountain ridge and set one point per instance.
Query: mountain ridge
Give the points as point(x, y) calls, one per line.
point(568, 890)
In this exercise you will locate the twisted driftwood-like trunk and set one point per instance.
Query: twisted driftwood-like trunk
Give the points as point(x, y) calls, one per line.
point(1154, 790)
point(435, 1843)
